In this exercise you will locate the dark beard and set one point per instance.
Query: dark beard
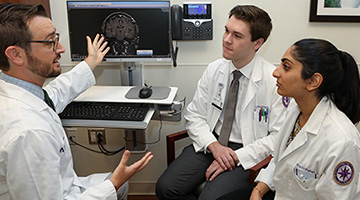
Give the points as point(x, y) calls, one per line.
point(40, 68)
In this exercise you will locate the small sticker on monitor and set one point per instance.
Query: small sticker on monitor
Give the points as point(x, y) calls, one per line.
point(144, 52)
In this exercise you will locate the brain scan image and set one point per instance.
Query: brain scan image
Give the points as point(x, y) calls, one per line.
point(121, 31)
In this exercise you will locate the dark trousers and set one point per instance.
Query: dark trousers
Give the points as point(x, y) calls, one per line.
point(187, 172)
point(245, 194)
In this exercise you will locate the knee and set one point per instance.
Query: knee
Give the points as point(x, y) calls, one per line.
point(161, 188)
point(166, 188)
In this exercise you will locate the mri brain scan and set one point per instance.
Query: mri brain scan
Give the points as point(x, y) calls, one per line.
point(122, 33)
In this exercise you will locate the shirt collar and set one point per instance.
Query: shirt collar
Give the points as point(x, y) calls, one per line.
point(32, 88)
point(246, 70)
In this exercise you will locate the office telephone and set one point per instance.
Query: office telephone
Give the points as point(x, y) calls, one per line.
point(192, 21)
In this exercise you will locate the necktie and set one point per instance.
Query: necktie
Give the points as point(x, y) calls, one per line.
point(230, 109)
point(48, 101)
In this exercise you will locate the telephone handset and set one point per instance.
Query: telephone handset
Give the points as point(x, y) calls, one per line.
point(176, 22)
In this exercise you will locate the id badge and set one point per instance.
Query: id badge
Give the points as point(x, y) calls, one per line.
point(217, 100)
point(304, 174)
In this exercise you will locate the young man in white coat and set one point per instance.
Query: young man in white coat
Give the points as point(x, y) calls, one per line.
point(35, 156)
point(258, 115)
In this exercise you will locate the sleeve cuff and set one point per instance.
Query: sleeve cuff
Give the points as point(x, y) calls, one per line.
point(206, 150)
point(87, 73)
point(267, 176)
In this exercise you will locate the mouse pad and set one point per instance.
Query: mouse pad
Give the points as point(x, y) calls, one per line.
point(159, 93)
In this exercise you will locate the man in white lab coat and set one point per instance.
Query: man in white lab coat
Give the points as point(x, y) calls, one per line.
point(35, 156)
point(259, 114)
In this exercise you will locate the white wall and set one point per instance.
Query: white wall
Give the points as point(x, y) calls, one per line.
point(290, 23)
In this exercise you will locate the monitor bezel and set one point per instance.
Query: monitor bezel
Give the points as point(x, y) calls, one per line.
point(165, 58)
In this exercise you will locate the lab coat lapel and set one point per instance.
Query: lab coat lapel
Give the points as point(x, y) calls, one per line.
point(222, 78)
point(311, 127)
point(250, 94)
point(298, 142)
point(252, 87)
point(285, 131)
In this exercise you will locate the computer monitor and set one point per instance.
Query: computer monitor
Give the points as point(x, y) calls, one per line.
point(136, 31)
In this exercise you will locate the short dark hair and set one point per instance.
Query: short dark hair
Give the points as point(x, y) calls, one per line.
point(258, 19)
point(14, 27)
point(341, 82)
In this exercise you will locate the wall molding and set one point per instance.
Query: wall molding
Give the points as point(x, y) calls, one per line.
point(142, 187)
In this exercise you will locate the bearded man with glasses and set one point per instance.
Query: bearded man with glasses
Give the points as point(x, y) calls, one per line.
point(35, 156)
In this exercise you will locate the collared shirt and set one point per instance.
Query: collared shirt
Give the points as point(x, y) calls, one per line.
point(34, 89)
point(235, 135)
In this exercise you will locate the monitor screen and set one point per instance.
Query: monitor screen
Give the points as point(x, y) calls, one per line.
point(136, 31)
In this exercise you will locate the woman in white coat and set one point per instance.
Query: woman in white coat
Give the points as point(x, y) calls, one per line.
point(317, 154)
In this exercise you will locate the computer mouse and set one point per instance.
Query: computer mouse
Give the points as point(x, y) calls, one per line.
point(145, 92)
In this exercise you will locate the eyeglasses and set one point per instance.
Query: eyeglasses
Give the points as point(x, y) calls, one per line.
point(53, 42)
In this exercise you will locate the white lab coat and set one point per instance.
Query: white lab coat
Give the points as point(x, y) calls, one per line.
point(35, 156)
point(306, 169)
point(202, 115)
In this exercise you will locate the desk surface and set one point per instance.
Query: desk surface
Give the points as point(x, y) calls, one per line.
point(116, 94)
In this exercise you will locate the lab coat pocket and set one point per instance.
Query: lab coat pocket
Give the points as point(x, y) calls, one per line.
point(305, 179)
point(306, 185)
point(261, 117)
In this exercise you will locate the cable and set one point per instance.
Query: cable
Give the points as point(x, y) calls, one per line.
point(107, 152)
point(158, 132)
point(100, 146)
point(183, 101)
point(71, 139)
point(156, 141)
point(103, 149)
point(174, 52)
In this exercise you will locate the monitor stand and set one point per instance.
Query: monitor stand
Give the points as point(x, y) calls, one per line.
point(131, 74)
point(135, 140)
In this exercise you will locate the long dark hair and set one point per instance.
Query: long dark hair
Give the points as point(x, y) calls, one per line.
point(340, 73)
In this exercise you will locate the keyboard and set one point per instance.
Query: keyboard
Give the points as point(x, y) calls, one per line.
point(105, 111)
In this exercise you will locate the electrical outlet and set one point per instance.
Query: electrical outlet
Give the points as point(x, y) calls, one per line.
point(71, 132)
point(93, 135)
